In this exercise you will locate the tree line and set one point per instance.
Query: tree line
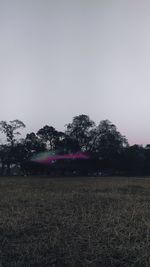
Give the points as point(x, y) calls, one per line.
point(109, 149)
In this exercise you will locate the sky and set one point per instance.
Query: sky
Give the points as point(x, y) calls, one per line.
point(62, 58)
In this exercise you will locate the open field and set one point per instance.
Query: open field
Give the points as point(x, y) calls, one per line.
point(75, 222)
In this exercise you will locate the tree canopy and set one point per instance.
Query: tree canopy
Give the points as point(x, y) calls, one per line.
point(109, 149)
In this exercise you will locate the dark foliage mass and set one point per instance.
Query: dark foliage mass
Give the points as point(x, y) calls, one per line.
point(109, 150)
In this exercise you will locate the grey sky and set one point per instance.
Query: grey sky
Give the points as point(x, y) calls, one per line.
point(61, 58)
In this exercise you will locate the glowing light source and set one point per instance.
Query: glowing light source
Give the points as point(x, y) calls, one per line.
point(50, 157)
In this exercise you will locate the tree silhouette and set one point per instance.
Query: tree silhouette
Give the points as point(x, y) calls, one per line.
point(107, 141)
point(79, 130)
point(10, 130)
point(49, 135)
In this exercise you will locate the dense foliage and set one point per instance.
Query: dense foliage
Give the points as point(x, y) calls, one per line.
point(109, 149)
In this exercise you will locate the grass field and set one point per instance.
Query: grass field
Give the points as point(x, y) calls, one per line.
point(75, 222)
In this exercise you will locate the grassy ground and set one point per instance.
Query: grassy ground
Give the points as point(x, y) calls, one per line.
point(75, 222)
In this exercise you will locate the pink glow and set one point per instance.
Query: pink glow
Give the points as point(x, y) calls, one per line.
point(50, 159)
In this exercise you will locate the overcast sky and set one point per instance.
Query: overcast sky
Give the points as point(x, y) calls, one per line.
point(62, 58)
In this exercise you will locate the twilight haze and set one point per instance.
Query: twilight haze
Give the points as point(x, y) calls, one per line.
point(62, 58)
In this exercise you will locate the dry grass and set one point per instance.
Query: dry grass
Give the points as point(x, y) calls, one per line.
point(75, 222)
